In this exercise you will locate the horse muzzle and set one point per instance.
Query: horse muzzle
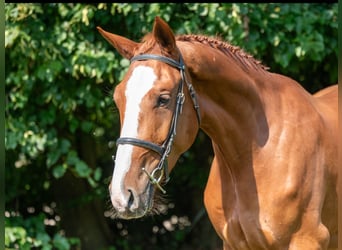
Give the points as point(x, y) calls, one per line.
point(129, 204)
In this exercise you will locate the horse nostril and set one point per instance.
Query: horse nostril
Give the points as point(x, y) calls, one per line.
point(130, 199)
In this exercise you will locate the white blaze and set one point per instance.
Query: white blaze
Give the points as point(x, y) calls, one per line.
point(138, 85)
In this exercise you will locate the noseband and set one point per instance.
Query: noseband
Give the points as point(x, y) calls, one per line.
point(165, 149)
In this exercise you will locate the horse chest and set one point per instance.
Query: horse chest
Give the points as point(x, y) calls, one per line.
point(245, 228)
point(245, 221)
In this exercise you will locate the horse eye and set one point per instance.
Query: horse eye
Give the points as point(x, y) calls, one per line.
point(163, 100)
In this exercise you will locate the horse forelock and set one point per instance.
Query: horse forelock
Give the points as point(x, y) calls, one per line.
point(149, 44)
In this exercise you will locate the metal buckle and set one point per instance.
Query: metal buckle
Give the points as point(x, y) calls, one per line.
point(153, 179)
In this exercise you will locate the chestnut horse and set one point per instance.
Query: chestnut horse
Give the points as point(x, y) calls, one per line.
point(273, 179)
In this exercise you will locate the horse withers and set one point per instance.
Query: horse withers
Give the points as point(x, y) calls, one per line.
point(273, 179)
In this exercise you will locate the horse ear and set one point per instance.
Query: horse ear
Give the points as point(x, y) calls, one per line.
point(124, 46)
point(163, 34)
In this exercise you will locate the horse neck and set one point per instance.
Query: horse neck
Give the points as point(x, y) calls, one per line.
point(231, 104)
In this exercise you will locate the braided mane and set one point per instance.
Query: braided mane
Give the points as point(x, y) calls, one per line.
point(233, 51)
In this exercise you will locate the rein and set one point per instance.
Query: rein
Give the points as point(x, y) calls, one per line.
point(165, 149)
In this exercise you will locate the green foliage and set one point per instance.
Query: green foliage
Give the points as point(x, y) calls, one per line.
point(60, 74)
point(57, 75)
point(31, 233)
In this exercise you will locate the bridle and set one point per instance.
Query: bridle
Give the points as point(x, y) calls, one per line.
point(165, 149)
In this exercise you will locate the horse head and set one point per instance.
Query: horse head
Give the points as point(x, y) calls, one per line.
point(158, 121)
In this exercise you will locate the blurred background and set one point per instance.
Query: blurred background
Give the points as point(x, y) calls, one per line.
point(61, 122)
